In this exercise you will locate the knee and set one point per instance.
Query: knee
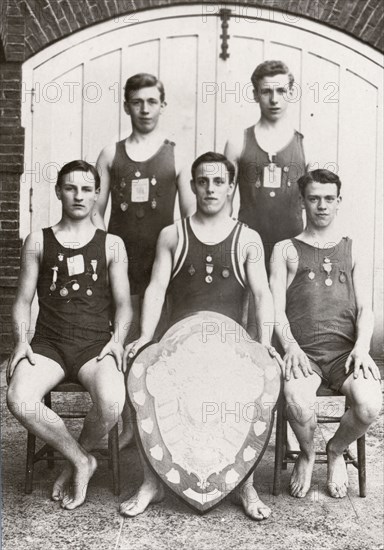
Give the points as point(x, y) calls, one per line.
point(300, 408)
point(368, 410)
point(16, 399)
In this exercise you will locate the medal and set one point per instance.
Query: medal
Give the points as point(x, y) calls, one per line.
point(137, 174)
point(208, 279)
point(327, 266)
point(191, 270)
point(94, 267)
point(225, 273)
point(122, 183)
point(288, 183)
point(89, 292)
point(63, 292)
point(272, 194)
point(285, 169)
point(75, 286)
point(153, 181)
point(60, 257)
point(342, 277)
point(52, 287)
point(55, 269)
point(209, 268)
point(153, 204)
point(311, 275)
point(124, 206)
point(258, 183)
point(208, 259)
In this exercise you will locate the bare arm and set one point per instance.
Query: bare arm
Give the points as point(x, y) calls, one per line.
point(252, 250)
point(21, 311)
point(359, 357)
point(119, 283)
point(103, 166)
point(295, 360)
point(187, 199)
point(155, 294)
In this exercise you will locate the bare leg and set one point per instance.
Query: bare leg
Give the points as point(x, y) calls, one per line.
point(126, 437)
point(105, 385)
point(300, 394)
point(247, 497)
point(150, 491)
point(364, 397)
point(28, 386)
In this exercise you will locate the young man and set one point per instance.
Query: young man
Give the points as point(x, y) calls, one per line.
point(142, 174)
point(269, 157)
point(79, 273)
point(321, 284)
point(205, 262)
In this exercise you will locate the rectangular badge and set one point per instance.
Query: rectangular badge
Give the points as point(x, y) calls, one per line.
point(272, 176)
point(75, 265)
point(140, 190)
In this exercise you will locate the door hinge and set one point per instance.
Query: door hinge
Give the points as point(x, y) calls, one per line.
point(30, 199)
point(225, 16)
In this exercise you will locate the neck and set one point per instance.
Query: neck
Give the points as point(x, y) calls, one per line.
point(75, 226)
point(322, 235)
point(282, 123)
point(138, 137)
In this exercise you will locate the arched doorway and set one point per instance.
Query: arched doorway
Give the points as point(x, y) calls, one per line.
point(76, 105)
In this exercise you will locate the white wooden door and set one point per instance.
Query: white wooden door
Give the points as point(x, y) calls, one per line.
point(77, 107)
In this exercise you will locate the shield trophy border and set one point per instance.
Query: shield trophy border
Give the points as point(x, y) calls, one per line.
point(201, 510)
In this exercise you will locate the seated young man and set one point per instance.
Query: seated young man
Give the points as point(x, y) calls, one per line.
point(186, 279)
point(320, 282)
point(79, 273)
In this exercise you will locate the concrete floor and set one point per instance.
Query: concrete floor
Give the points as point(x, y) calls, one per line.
point(317, 522)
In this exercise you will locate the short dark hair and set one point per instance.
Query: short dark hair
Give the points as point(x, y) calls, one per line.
point(78, 166)
point(212, 157)
point(271, 68)
point(143, 80)
point(318, 176)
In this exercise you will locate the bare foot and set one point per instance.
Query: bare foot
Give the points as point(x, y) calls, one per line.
point(61, 486)
point(150, 491)
point(300, 482)
point(82, 473)
point(337, 478)
point(248, 498)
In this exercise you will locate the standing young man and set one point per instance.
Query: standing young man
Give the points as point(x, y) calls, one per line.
point(205, 262)
point(142, 174)
point(269, 156)
point(321, 284)
point(79, 273)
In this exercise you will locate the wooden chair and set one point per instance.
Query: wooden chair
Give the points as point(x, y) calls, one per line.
point(284, 457)
point(50, 455)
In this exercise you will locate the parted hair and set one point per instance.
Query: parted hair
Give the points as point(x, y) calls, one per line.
point(318, 176)
point(143, 80)
point(211, 157)
point(78, 166)
point(271, 68)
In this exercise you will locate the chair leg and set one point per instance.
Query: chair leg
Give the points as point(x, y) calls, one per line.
point(31, 445)
point(361, 467)
point(113, 447)
point(50, 453)
point(278, 448)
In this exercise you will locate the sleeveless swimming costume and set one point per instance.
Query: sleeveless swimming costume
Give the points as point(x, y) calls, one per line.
point(137, 219)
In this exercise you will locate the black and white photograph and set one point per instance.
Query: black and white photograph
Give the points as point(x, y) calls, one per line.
point(191, 276)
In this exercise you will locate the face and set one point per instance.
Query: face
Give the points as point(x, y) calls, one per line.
point(77, 194)
point(212, 187)
point(144, 107)
point(321, 203)
point(273, 96)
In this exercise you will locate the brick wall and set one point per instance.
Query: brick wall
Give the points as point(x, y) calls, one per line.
point(27, 26)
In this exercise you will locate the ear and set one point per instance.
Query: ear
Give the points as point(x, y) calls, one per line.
point(97, 193)
point(339, 200)
point(193, 187)
point(302, 202)
point(58, 192)
point(126, 108)
point(163, 106)
point(256, 95)
point(231, 189)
